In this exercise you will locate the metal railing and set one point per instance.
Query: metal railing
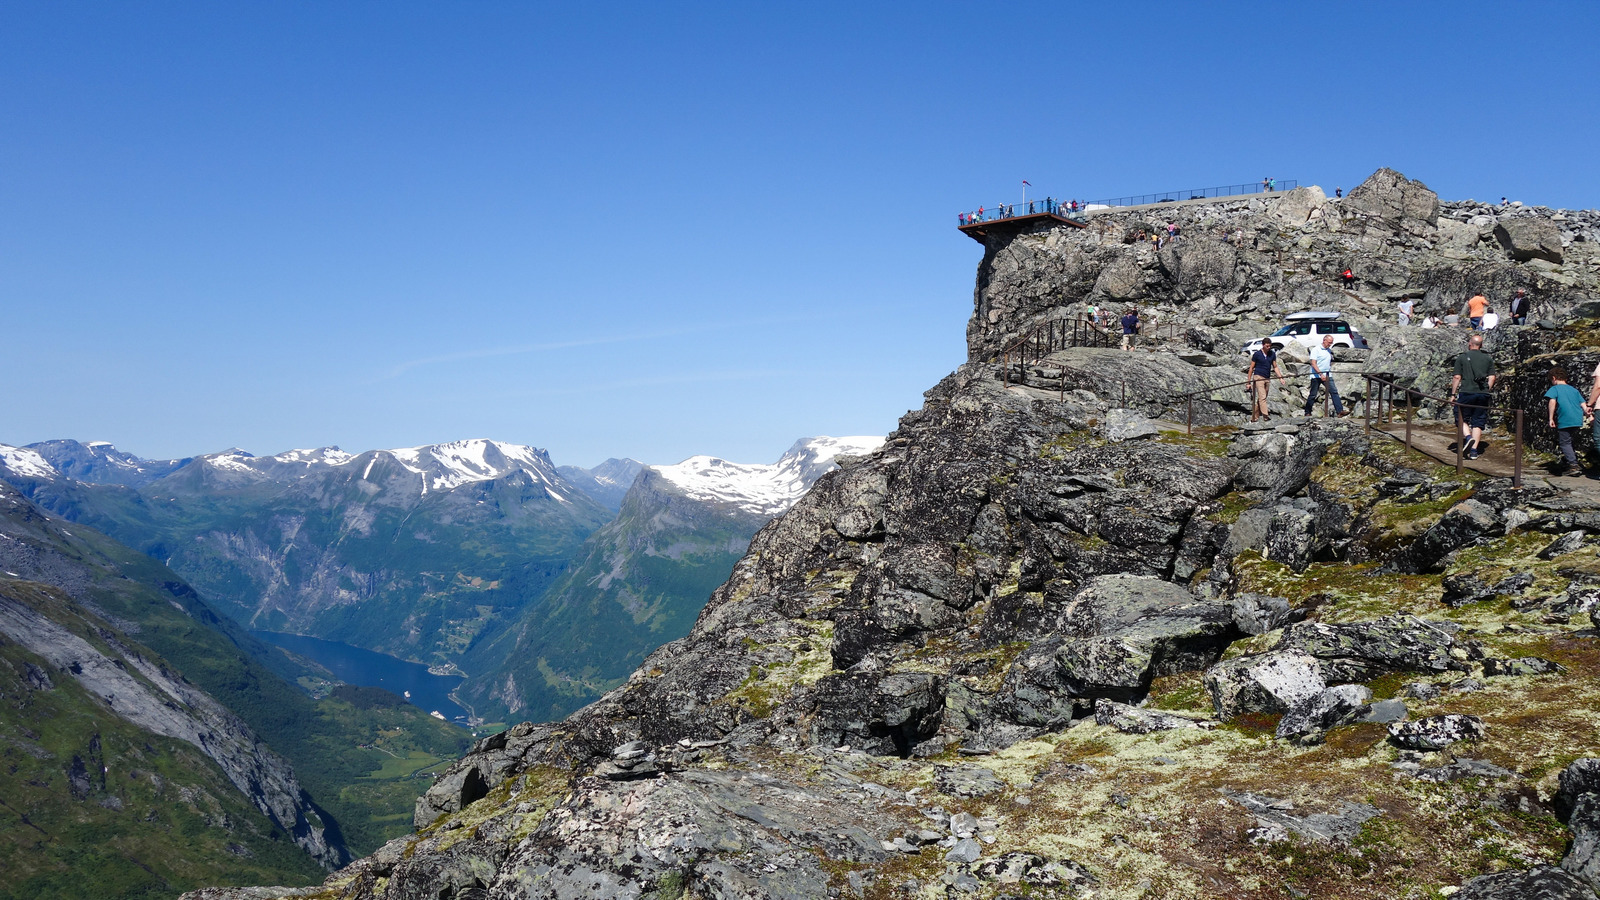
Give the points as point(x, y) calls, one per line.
point(1381, 394)
point(1051, 335)
point(1016, 210)
point(1226, 190)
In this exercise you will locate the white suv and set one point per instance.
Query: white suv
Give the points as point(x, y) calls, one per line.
point(1309, 328)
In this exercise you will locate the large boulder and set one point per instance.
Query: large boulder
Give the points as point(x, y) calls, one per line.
point(1462, 525)
point(1583, 860)
point(1329, 709)
point(1579, 778)
point(1542, 883)
point(1362, 651)
point(1295, 207)
point(1199, 265)
point(1271, 682)
point(1394, 198)
point(882, 714)
point(1437, 732)
point(1527, 239)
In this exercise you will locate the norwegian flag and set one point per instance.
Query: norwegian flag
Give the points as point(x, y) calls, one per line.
point(1028, 183)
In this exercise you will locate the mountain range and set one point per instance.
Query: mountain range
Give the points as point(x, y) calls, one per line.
point(476, 556)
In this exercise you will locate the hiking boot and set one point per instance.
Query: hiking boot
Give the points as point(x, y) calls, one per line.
point(1472, 452)
point(1342, 414)
point(1573, 472)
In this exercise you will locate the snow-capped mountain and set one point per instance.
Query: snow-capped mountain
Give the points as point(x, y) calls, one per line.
point(764, 490)
point(98, 462)
point(441, 467)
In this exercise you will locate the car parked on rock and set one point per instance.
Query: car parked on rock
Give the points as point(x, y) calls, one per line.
point(1309, 328)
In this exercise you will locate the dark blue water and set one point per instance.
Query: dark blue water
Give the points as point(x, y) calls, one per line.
point(354, 665)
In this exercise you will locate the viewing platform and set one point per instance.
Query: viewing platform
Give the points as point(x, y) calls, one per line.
point(1017, 217)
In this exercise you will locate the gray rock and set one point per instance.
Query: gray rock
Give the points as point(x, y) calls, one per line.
point(1525, 665)
point(1362, 651)
point(966, 850)
point(1384, 712)
point(1463, 525)
point(1259, 613)
point(1527, 239)
point(1463, 768)
point(1019, 867)
point(963, 825)
point(1579, 778)
point(1583, 860)
point(1331, 708)
point(1339, 827)
point(1563, 545)
point(1133, 720)
point(967, 781)
point(1393, 198)
point(1126, 425)
point(1290, 537)
point(1541, 883)
point(1437, 732)
point(1270, 682)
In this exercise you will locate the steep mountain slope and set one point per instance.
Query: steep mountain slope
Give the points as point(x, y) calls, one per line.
point(411, 552)
point(641, 580)
point(1027, 650)
point(113, 786)
point(607, 483)
point(338, 747)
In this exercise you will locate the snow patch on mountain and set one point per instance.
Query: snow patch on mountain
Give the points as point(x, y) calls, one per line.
point(451, 465)
point(765, 490)
point(25, 462)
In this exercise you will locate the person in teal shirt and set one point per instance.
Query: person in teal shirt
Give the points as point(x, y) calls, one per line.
point(1565, 415)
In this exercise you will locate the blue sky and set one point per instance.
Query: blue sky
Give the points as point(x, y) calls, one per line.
point(654, 230)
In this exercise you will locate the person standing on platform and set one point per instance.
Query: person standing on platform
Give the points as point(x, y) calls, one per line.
point(1469, 389)
point(1130, 328)
point(1322, 377)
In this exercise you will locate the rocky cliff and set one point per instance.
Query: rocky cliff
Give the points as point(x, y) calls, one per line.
point(1039, 645)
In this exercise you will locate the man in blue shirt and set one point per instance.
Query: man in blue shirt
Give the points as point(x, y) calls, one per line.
point(1130, 328)
point(1322, 377)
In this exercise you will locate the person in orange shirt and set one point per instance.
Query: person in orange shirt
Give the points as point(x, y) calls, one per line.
point(1476, 307)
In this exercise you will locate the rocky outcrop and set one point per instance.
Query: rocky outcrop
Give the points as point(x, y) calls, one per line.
point(1395, 200)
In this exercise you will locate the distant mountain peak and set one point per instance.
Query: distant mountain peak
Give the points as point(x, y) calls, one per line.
point(764, 489)
point(26, 462)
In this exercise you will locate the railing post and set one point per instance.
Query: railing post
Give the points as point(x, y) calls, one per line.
point(1124, 395)
point(1366, 406)
point(1005, 369)
point(1408, 423)
point(1461, 443)
point(1516, 456)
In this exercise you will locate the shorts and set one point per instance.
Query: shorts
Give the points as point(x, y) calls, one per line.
point(1127, 340)
point(1474, 409)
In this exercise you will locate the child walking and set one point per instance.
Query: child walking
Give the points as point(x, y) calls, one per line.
point(1566, 415)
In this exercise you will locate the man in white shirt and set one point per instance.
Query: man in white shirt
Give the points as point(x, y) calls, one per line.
point(1322, 376)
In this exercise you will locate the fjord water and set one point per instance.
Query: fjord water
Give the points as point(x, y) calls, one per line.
point(368, 668)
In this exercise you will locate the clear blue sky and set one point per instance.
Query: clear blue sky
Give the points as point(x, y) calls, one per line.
point(654, 229)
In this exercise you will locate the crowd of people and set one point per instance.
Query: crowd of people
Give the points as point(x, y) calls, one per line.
point(1477, 313)
point(1010, 210)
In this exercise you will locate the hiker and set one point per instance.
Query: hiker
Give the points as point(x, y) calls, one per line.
point(1593, 404)
point(1469, 390)
point(1259, 371)
point(1491, 319)
point(1130, 328)
point(1519, 307)
point(1348, 277)
point(1429, 322)
point(1322, 377)
point(1476, 307)
point(1565, 415)
point(1405, 308)
point(1338, 193)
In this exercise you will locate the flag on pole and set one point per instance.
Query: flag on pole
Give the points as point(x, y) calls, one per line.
point(1028, 183)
